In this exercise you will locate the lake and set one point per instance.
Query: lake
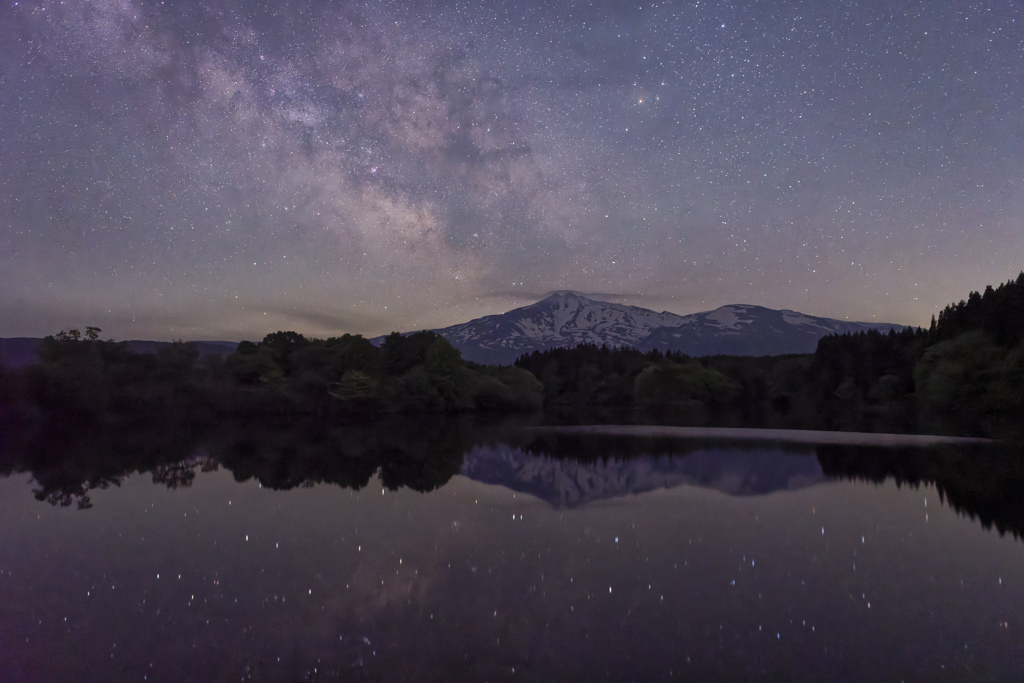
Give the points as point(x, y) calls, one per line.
point(459, 550)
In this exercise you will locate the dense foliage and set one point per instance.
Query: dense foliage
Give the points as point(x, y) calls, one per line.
point(86, 378)
point(998, 313)
point(418, 372)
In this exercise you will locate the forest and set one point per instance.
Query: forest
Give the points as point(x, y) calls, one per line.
point(84, 378)
point(964, 375)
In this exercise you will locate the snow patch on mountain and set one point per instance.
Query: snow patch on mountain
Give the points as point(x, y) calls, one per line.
point(794, 318)
point(725, 317)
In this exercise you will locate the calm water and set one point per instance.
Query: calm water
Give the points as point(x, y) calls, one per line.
point(456, 552)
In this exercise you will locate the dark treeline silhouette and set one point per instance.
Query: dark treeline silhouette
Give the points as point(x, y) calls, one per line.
point(866, 379)
point(588, 375)
point(833, 389)
point(999, 313)
point(965, 375)
point(82, 377)
point(421, 372)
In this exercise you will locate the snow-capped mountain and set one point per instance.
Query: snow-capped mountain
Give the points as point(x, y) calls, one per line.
point(562, 319)
point(566, 319)
point(744, 330)
point(568, 483)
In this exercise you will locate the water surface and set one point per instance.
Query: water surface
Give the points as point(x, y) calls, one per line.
point(455, 552)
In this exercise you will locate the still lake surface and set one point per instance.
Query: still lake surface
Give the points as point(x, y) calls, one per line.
point(454, 550)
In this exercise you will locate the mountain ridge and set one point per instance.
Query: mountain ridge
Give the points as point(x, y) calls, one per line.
point(566, 318)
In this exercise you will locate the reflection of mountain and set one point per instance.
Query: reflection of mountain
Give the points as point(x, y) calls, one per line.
point(568, 483)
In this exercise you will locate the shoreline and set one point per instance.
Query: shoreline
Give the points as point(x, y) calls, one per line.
point(781, 435)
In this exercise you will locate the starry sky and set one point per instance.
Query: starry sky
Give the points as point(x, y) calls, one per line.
point(224, 169)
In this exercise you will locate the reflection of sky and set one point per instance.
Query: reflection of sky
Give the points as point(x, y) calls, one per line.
point(473, 580)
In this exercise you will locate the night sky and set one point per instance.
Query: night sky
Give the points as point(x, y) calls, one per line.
point(220, 170)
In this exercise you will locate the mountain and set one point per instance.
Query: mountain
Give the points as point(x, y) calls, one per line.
point(567, 483)
point(566, 319)
point(563, 319)
point(743, 330)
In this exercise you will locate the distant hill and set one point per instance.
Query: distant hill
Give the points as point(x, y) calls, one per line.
point(744, 330)
point(19, 352)
point(566, 319)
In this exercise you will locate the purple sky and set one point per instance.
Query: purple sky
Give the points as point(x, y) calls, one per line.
point(220, 170)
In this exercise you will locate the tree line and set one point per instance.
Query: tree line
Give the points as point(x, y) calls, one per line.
point(84, 377)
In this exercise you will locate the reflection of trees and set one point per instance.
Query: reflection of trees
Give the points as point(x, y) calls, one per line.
point(982, 483)
point(284, 459)
point(73, 492)
point(419, 454)
point(67, 461)
point(179, 475)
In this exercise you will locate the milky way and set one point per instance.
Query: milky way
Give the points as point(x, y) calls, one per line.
point(224, 169)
